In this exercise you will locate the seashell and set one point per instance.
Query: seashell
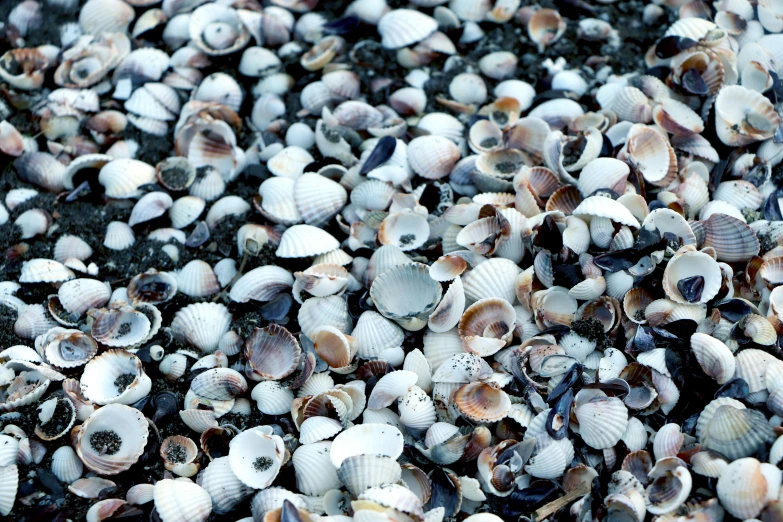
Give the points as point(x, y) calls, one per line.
point(104, 450)
point(178, 453)
point(198, 420)
point(305, 241)
point(68, 348)
point(432, 157)
point(743, 116)
point(324, 311)
point(122, 177)
point(217, 30)
point(482, 402)
point(219, 384)
point(151, 287)
point(105, 16)
point(492, 278)
point(366, 439)
point(374, 334)
point(222, 485)
point(545, 27)
point(119, 327)
point(181, 500)
point(116, 376)
point(746, 497)
point(255, 457)
point(602, 420)
point(79, 295)
point(714, 357)
point(362, 472)
point(315, 474)
point(732, 239)
point(551, 460)
point(735, 432)
point(119, 236)
point(652, 155)
point(261, 284)
point(318, 198)
point(44, 271)
point(201, 325)
point(272, 352)
point(603, 173)
point(272, 398)
point(692, 277)
point(197, 279)
point(406, 280)
point(71, 247)
point(404, 27)
point(677, 118)
point(670, 488)
point(66, 465)
point(598, 206)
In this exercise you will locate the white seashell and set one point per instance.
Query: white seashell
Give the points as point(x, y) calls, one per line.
point(277, 200)
point(222, 485)
point(602, 420)
point(119, 236)
point(404, 27)
point(181, 500)
point(324, 311)
point(102, 381)
point(71, 247)
point(256, 457)
point(366, 439)
point(79, 295)
point(315, 429)
point(66, 465)
point(408, 281)
point(224, 207)
point(743, 116)
point(201, 325)
point(197, 279)
point(432, 157)
point(305, 241)
point(122, 177)
point(99, 430)
point(272, 398)
point(44, 271)
point(186, 210)
point(374, 333)
point(261, 284)
point(598, 206)
point(315, 474)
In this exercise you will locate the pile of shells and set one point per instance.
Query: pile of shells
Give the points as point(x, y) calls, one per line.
point(391, 263)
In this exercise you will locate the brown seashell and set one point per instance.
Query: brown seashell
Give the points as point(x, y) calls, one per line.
point(272, 352)
point(482, 402)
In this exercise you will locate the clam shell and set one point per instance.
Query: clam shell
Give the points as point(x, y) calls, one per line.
point(181, 500)
point(223, 486)
point(66, 465)
point(119, 236)
point(403, 27)
point(482, 402)
point(743, 116)
point(99, 382)
point(131, 441)
point(315, 473)
point(714, 357)
point(602, 420)
point(366, 439)
point(122, 177)
point(374, 334)
point(432, 157)
point(305, 241)
point(650, 152)
point(45, 271)
point(318, 198)
point(261, 284)
point(448, 312)
point(71, 247)
point(272, 352)
point(732, 239)
point(362, 472)
point(735, 432)
point(68, 348)
point(119, 327)
point(410, 280)
point(272, 398)
point(324, 311)
point(256, 457)
point(151, 287)
point(742, 487)
point(689, 263)
point(79, 295)
point(201, 325)
point(197, 279)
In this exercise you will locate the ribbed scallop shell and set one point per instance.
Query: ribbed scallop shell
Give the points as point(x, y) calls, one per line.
point(44, 271)
point(119, 327)
point(253, 444)
point(261, 284)
point(324, 311)
point(272, 352)
point(119, 236)
point(105, 16)
point(404, 27)
point(201, 325)
point(487, 326)
point(315, 474)
point(79, 295)
point(133, 438)
point(68, 348)
point(603, 173)
point(362, 472)
point(602, 420)
point(375, 333)
point(482, 402)
point(743, 116)
point(406, 294)
point(599, 206)
point(181, 500)
point(650, 152)
point(272, 398)
point(222, 485)
point(551, 459)
point(492, 278)
point(366, 439)
point(122, 177)
point(197, 279)
point(186, 210)
point(714, 357)
point(732, 239)
point(448, 312)
point(432, 157)
point(318, 198)
point(305, 241)
point(277, 200)
point(66, 465)
point(206, 24)
point(690, 263)
point(743, 488)
point(736, 433)
point(98, 382)
point(9, 478)
point(71, 247)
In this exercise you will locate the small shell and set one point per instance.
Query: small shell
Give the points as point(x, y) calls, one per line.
point(44, 271)
point(743, 116)
point(66, 465)
point(79, 295)
point(120, 327)
point(201, 325)
point(743, 487)
point(602, 420)
point(366, 439)
point(305, 241)
point(272, 352)
point(315, 475)
point(545, 27)
point(197, 279)
point(181, 501)
point(115, 376)
point(151, 287)
point(650, 152)
point(222, 485)
point(106, 451)
point(482, 402)
point(410, 280)
point(362, 472)
point(119, 236)
point(256, 457)
point(432, 157)
point(404, 27)
point(714, 357)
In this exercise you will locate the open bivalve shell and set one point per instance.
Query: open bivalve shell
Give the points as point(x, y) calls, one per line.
point(115, 376)
point(112, 439)
point(256, 457)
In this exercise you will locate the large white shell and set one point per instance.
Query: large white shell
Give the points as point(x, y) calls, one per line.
point(256, 456)
point(99, 380)
point(127, 423)
point(222, 485)
point(201, 325)
point(181, 500)
point(315, 473)
point(367, 439)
